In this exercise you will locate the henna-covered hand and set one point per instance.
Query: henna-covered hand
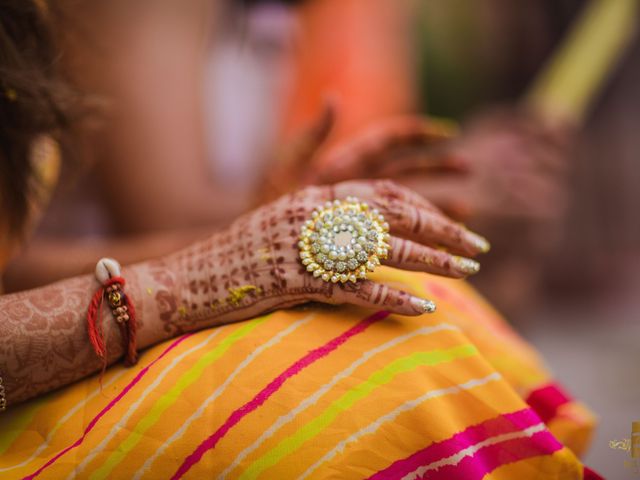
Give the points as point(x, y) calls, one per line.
point(506, 163)
point(248, 269)
point(254, 265)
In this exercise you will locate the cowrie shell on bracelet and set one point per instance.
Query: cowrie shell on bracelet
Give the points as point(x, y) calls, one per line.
point(107, 268)
point(343, 241)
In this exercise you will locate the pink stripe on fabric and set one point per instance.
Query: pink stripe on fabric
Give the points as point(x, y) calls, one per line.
point(547, 400)
point(487, 459)
point(109, 406)
point(507, 423)
point(271, 388)
point(589, 474)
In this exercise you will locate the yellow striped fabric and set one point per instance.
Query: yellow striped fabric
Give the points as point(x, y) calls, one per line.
point(315, 393)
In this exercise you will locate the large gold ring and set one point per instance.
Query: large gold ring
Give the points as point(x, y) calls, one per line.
point(343, 241)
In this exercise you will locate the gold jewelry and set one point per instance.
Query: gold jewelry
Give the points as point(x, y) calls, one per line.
point(3, 397)
point(343, 241)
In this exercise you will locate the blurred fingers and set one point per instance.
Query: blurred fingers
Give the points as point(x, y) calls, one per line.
point(420, 162)
point(409, 255)
point(412, 217)
point(302, 149)
point(369, 294)
point(384, 144)
point(425, 227)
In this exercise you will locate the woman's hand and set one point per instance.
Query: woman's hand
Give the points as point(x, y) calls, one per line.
point(254, 266)
point(387, 149)
point(506, 164)
point(248, 269)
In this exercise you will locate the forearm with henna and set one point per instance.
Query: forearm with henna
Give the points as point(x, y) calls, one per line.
point(249, 269)
point(231, 276)
point(44, 341)
point(44, 338)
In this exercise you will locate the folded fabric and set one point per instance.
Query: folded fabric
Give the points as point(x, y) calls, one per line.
point(316, 392)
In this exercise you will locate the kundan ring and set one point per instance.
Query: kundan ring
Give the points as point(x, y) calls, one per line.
point(343, 241)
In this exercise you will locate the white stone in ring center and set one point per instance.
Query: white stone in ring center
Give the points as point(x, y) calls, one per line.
point(343, 239)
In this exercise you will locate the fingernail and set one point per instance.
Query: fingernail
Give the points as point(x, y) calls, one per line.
point(423, 306)
point(466, 265)
point(479, 242)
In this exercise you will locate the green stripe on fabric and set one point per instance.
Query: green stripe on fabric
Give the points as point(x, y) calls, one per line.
point(169, 398)
point(346, 401)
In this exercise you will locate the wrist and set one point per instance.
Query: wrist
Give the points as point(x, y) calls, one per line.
point(215, 282)
point(184, 289)
point(154, 287)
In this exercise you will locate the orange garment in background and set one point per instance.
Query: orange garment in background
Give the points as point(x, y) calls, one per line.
point(358, 52)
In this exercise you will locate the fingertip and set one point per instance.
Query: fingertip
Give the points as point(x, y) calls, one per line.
point(465, 266)
point(422, 305)
point(477, 242)
point(429, 306)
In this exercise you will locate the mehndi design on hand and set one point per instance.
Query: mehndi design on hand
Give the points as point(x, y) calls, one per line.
point(259, 255)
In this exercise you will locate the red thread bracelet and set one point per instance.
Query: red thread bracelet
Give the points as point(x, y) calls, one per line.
point(122, 309)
